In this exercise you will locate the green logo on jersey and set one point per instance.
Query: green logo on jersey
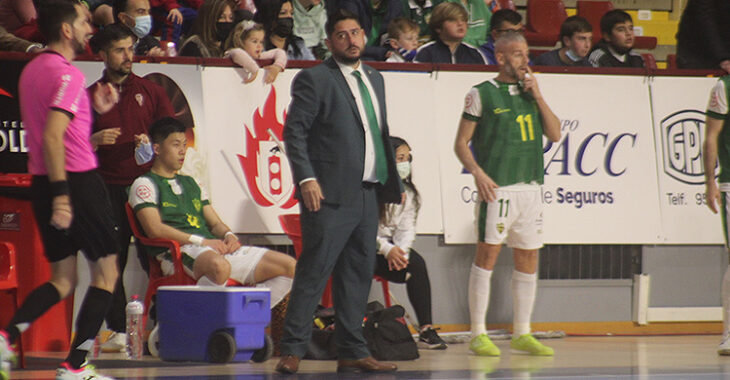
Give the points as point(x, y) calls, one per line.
point(498, 110)
point(193, 221)
point(500, 227)
point(168, 204)
point(196, 204)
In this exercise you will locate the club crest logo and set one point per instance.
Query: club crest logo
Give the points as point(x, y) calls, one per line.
point(265, 166)
point(500, 227)
point(682, 138)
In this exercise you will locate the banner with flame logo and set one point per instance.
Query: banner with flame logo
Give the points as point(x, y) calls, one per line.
point(265, 166)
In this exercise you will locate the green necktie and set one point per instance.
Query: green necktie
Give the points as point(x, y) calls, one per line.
point(381, 166)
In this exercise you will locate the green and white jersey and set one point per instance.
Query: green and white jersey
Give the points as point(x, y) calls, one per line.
point(179, 200)
point(507, 140)
point(718, 109)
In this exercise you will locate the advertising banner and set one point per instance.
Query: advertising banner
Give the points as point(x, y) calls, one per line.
point(679, 106)
point(600, 178)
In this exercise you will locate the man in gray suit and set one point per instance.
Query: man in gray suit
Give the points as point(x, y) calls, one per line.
point(336, 136)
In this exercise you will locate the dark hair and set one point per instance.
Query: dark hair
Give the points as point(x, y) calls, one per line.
point(54, 13)
point(160, 129)
point(267, 14)
point(397, 142)
point(503, 15)
point(119, 6)
point(611, 18)
point(337, 16)
point(573, 25)
point(204, 25)
point(104, 39)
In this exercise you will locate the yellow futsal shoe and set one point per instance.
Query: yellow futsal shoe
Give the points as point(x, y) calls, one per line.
point(527, 343)
point(483, 346)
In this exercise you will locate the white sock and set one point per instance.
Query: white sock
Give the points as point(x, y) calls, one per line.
point(726, 301)
point(479, 281)
point(279, 287)
point(524, 288)
point(205, 281)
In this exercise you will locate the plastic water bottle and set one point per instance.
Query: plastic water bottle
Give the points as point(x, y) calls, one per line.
point(135, 313)
point(171, 50)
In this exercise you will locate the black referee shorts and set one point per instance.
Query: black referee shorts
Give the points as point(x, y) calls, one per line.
point(93, 229)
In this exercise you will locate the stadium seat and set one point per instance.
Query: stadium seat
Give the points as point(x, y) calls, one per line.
point(9, 284)
point(544, 18)
point(649, 60)
point(672, 61)
point(506, 4)
point(292, 227)
point(594, 10)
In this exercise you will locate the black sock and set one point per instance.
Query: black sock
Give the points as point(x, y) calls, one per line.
point(91, 315)
point(38, 302)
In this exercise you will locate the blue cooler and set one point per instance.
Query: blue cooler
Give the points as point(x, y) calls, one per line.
point(210, 323)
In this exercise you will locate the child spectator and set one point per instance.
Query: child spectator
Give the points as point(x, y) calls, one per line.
point(503, 21)
point(419, 11)
point(403, 39)
point(449, 22)
point(246, 44)
point(576, 35)
point(478, 19)
point(615, 49)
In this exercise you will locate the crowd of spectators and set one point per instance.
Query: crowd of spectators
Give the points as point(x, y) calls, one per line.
point(427, 31)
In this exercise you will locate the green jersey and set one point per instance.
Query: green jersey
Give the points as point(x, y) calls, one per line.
point(507, 140)
point(179, 200)
point(718, 109)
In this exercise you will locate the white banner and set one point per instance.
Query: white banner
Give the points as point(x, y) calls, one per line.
point(600, 184)
point(607, 180)
point(679, 106)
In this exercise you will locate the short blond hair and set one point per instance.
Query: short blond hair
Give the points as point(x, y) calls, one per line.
point(401, 25)
point(447, 11)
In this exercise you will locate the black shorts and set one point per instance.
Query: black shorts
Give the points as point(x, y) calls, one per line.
point(93, 229)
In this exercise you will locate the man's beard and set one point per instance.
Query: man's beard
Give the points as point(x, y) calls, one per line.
point(120, 71)
point(79, 48)
point(342, 57)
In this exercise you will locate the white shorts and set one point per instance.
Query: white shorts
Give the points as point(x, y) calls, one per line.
point(515, 217)
point(243, 261)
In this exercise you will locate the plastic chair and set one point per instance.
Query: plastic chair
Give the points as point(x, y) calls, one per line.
point(544, 18)
point(9, 283)
point(594, 10)
point(649, 60)
point(292, 227)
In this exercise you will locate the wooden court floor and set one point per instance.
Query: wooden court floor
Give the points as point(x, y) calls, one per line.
point(656, 357)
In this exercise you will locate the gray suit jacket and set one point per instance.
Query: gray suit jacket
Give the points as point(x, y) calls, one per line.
point(324, 134)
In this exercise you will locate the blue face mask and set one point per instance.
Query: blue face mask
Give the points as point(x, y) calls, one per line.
point(143, 153)
point(142, 26)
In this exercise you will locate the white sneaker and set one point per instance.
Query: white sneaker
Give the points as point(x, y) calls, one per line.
point(117, 342)
point(724, 347)
point(86, 372)
point(7, 356)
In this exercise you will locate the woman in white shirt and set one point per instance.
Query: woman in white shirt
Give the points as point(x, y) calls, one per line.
point(396, 261)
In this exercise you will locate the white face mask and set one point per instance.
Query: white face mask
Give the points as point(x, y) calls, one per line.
point(142, 26)
point(404, 169)
point(143, 153)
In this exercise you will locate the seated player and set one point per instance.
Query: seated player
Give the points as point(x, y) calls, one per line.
point(172, 206)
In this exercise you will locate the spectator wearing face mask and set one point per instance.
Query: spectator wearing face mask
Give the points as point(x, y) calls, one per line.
point(135, 16)
point(210, 30)
point(277, 17)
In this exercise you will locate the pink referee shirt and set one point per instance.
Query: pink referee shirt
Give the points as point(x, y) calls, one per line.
point(49, 82)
